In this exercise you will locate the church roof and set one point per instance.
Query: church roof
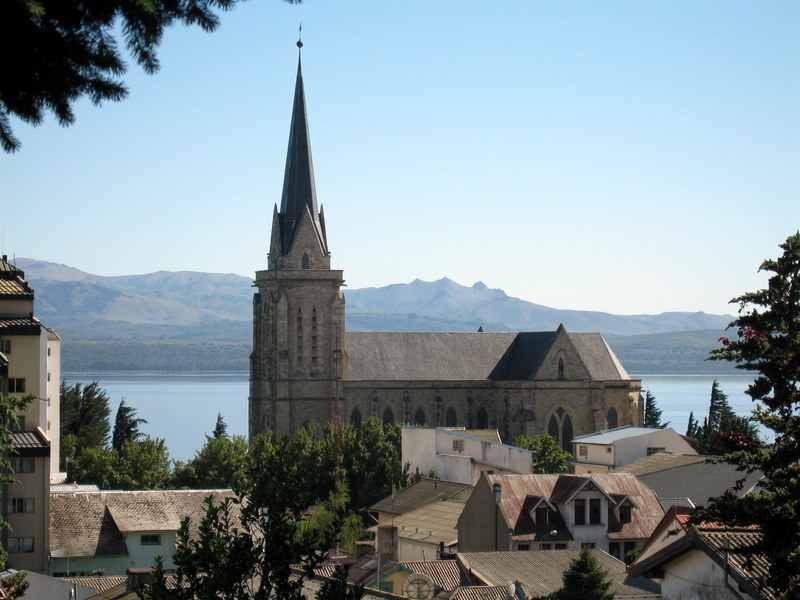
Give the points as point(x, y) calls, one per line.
point(389, 356)
point(299, 191)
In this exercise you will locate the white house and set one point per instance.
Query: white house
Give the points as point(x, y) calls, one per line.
point(458, 454)
point(605, 451)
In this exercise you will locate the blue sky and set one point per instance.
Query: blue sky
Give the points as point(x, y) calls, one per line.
point(628, 157)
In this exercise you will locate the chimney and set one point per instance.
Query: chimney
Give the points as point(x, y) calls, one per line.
point(387, 542)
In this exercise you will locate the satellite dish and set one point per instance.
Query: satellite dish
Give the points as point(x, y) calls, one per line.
point(418, 586)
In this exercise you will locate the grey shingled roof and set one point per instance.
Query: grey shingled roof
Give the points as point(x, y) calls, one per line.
point(92, 523)
point(392, 356)
point(540, 572)
point(660, 461)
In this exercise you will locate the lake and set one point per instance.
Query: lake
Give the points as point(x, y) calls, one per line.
point(182, 408)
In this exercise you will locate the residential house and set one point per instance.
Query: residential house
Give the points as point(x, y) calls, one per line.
point(690, 479)
point(423, 518)
point(110, 532)
point(459, 454)
point(605, 451)
point(701, 561)
point(613, 512)
point(43, 587)
point(538, 574)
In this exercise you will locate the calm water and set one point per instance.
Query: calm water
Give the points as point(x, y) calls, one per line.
point(183, 407)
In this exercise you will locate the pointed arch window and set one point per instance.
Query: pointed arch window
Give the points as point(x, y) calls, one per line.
point(483, 419)
point(561, 374)
point(355, 417)
point(560, 427)
point(305, 262)
point(451, 420)
point(419, 417)
point(612, 418)
point(388, 417)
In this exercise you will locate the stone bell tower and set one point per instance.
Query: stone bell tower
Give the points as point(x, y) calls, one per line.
point(298, 308)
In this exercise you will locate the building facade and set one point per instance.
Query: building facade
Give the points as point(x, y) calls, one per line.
point(305, 369)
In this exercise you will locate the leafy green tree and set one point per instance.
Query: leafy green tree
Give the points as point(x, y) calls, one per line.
point(220, 463)
point(246, 546)
point(143, 465)
point(84, 415)
point(97, 465)
point(126, 426)
point(768, 343)
point(652, 414)
point(549, 457)
point(585, 579)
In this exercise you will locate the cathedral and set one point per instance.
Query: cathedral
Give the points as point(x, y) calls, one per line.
point(305, 367)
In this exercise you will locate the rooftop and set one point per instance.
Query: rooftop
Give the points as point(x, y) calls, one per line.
point(610, 436)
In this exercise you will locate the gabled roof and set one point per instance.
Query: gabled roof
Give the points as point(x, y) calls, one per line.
point(540, 572)
point(392, 356)
point(93, 523)
point(419, 494)
point(561, 489)
point(675, 535)
point(432, 523)
point(660, 461)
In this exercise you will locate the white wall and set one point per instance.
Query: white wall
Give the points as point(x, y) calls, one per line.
point(694, 576)
point(628, 450)
point(138, 556)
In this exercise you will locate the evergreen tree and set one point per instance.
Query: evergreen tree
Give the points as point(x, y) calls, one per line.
point(585, 579)
point(126, 426)
point(722, 427)
point(84, 416)
point(652, 414)
point(768, 343)
point(221, 428)
point(692, 428)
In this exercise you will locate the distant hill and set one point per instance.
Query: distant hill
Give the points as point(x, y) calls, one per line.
point(216, 309)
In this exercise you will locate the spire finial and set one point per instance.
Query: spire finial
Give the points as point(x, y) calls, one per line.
point(300, 37)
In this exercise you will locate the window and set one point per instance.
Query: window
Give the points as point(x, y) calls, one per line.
point(20, 544)
point(388, 416)
point(608, 450)
point(304, 262)
point(546, 547)
point(612, 418)
point(523, 547)
point(483, 419)
point(654, 450)
point(561, 368)
point(355, 417)
point(151, 539)
point(299, 322)
point(561, 546)
point(419, 417)
point(630, 547)
point(625, 514)
point(542, 515)
point(16, 386)
point(458, 445)
point(5, 346)
point(594, 511)
point(20, 505)
point(451, 420)
point(583, 450)
point(613, 549)
point(23, 464)
point(580, 512)
point(314, 337)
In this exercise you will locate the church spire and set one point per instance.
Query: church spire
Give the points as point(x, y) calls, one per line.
point(299, 193)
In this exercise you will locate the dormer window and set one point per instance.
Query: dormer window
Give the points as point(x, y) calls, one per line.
point(625, 514)
point(541, 516)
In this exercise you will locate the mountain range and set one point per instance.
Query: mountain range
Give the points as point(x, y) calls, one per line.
point(213, 307)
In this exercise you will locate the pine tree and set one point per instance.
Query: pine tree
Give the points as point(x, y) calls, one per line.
point(652, 414)
point(221, 428)
point(692, 428)
point(585, 579)
point(768, 343)
point(126, 426)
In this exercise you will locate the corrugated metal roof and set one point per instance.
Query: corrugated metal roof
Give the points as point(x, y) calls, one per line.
point(660, 461)
point(480, 592)
point(540, 572)
point(444, 573)
point(24, 440)
point(433, 523)
point(610, 436)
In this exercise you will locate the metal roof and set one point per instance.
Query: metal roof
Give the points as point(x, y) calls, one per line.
point(610, 436)
point(444, 573)
point(660, 461)
point(419, 494)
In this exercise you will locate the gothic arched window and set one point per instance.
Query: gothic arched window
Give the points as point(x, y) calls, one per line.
point(451, 420)
point(560, 427)
point(552, 427)
point(388, 416)
point(419, 417)
point(566, 434)
point(355, 417)
point(483, 419)
point(561, 368)
point(612, 418)
point(305, 260)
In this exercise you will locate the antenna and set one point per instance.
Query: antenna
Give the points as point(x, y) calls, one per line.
point(300, 36)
